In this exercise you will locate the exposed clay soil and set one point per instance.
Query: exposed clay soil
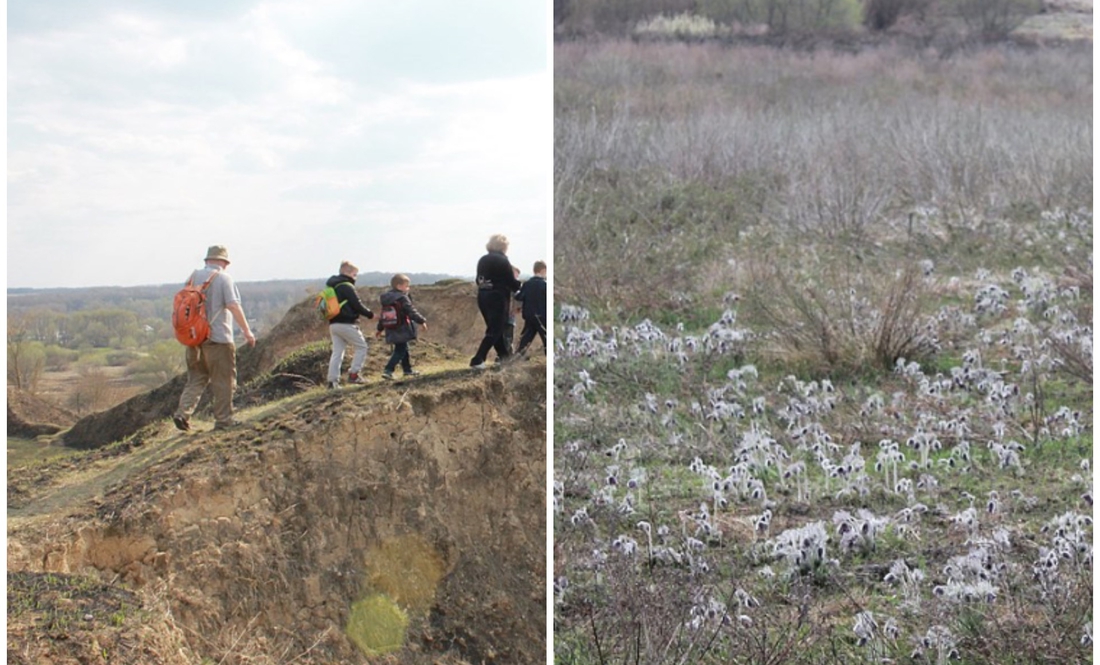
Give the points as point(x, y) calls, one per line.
point(279, 541)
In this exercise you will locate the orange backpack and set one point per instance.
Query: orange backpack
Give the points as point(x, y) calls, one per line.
point(189, 313)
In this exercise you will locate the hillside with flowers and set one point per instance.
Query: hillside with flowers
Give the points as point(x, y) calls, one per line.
point(823, 370)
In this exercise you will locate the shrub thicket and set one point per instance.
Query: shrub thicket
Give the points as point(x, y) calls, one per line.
point(982, 20)
point(668, 158)
point(786, 16)
point(993, 19)
point(885, 14)
point(835, 320)
point(685, 27)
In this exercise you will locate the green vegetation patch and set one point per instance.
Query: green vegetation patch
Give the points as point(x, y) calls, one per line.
point(61, 603)
point(26, 452)
point(377, 625)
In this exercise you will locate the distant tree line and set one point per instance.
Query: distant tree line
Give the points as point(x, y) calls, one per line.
point(103, 316)
point(984, 19)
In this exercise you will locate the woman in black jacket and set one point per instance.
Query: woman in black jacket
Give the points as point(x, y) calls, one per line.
point(496, 282)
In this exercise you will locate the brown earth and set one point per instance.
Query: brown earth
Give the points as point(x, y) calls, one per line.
point(417, 506)
point(31, 416)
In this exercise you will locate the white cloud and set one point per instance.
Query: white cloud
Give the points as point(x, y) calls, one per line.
point(145, 43)
point(175, 131)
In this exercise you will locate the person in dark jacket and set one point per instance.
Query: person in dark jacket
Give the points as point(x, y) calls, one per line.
point(533, 297)
point(510, 326)
point(496, 282)
point(403, 332)
point(344, 327)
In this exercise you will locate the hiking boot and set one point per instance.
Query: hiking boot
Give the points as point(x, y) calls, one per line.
point(182, 423)
point(387, 375)
point(229, 425)
point(356, 379)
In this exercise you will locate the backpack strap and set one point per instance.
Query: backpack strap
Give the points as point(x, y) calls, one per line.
point(345, 300)
point(191, 280)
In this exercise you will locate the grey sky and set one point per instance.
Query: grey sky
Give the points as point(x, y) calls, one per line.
point(396, 134)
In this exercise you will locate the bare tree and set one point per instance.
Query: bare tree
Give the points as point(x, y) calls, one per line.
point(92, 391)
point(994, 19)
point(26, 358)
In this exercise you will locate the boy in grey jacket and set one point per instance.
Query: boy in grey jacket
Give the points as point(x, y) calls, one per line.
point(400, 325)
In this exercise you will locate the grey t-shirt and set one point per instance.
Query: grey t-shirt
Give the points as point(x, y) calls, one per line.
point(220, 293)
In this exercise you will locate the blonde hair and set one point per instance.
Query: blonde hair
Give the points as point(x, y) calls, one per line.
point(399, 279)
point(498, 242)
point(347, 267)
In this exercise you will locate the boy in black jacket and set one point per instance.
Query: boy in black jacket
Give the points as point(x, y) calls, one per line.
point(510, 326)
point(402, 330)
point(344, 327)
point(533, 297)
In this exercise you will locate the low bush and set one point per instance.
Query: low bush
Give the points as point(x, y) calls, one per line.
point(685, 27)
point(993, 19)
point(59, 359)
point(833, 318)
point(884, 14)
point(121, 358)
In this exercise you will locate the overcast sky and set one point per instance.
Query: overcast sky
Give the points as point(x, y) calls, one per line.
point(399, 134)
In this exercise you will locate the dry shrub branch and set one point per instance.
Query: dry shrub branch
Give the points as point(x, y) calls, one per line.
point(841, 320)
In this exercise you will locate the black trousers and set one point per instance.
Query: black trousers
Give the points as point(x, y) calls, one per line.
point(494, 309)
point(400, 355)
point(531, 327)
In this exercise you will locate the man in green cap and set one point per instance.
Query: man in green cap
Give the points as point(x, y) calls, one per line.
point(214, 362)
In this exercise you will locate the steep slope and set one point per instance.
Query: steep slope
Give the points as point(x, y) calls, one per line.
point(394, 522)
point(31, 416)
point(402, 519)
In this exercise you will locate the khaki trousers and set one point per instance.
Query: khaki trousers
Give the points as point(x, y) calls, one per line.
point(212, 364)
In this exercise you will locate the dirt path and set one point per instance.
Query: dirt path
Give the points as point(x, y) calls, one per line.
point(79, 487)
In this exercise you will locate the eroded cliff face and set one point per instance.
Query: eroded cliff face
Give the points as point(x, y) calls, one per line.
point(406, 520)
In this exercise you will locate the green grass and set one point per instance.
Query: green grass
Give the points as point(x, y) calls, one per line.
point(25, 452)
point(61, 603)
